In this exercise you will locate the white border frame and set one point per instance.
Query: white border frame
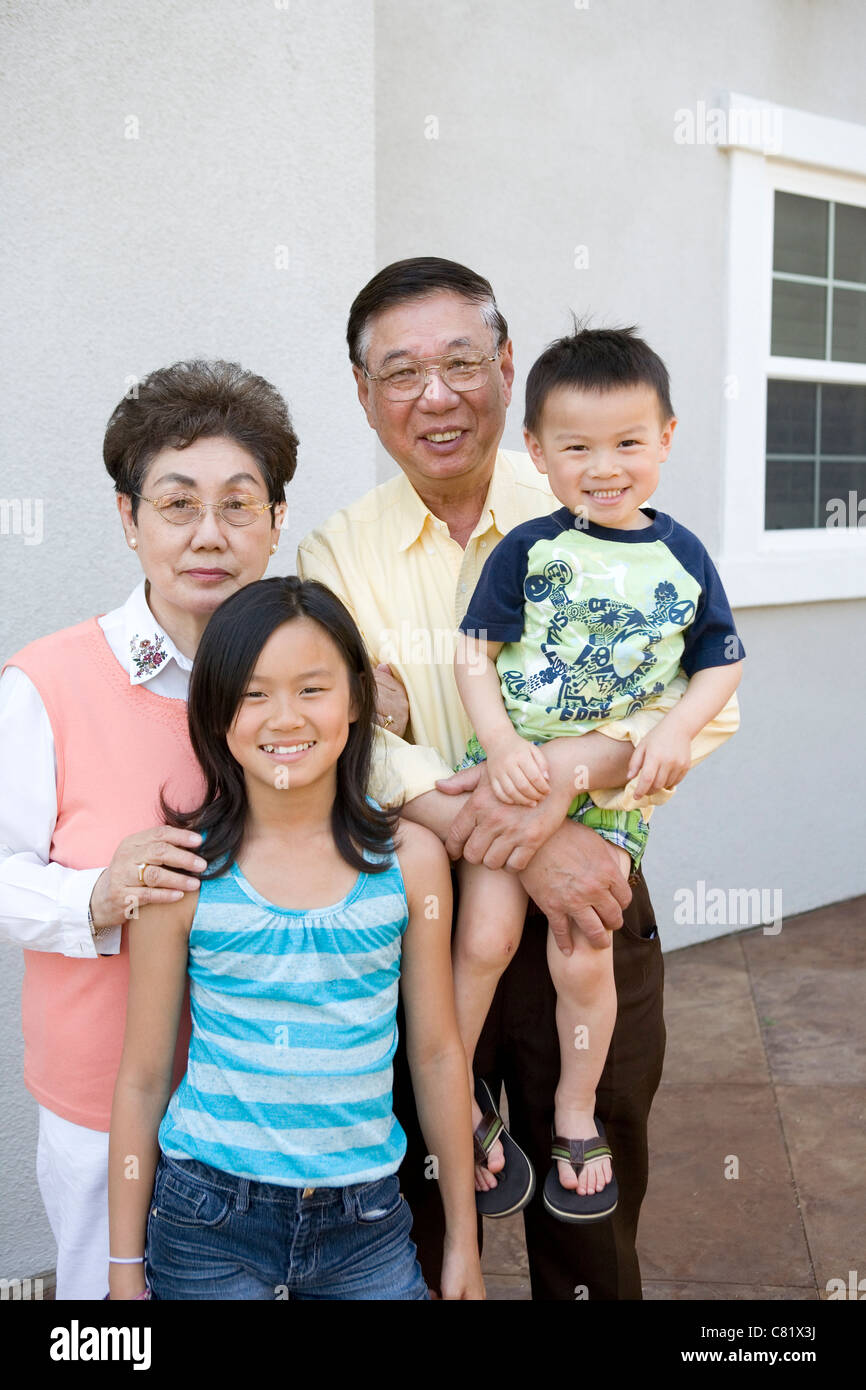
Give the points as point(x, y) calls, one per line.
point(820, 158)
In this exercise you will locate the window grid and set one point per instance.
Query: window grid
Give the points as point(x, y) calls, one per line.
point(830, 283)
point(827, 282)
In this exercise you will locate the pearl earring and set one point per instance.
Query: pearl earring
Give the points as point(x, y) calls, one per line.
point(273, 550)
point(133, 543)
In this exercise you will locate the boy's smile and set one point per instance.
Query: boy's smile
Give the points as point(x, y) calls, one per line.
point(601, 451)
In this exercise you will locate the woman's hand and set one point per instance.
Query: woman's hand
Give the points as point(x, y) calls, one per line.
point(119, 892)
point(461, 1274)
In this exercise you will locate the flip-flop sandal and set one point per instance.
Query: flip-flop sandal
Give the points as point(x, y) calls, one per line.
point(563, 1202)
point(515, 1183)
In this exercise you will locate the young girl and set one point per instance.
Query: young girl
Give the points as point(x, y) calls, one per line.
point(272, 1173)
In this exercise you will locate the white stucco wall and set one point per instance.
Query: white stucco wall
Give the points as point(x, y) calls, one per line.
point(555, 132)
point(255, 131)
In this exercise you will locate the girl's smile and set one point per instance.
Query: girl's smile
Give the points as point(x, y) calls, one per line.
point(283, 753)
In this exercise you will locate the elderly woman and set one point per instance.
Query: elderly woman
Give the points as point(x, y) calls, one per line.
point(92, 726)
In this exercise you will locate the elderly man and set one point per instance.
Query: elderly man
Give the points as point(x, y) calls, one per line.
point(434, 370)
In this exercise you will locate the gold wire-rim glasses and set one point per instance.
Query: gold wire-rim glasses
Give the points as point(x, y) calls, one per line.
point(449, 363)
point(250, 510)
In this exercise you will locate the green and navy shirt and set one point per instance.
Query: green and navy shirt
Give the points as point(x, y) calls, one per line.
point(596, 622)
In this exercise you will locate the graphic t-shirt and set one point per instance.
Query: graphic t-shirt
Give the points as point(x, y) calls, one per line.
point(596, 622)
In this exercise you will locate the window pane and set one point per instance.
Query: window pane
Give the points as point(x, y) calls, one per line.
point(800, 235)
point(843, 487)
point(798, 320)
point(849, 325)
point(790, 494)
point(850, 253)
point(791, 417)
point(843, 420)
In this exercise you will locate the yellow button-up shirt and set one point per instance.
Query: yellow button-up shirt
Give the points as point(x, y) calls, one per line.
point(407, 584)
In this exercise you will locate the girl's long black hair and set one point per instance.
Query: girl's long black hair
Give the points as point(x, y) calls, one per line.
point(224, 663)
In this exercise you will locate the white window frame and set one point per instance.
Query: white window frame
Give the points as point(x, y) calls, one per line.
point(817, 157)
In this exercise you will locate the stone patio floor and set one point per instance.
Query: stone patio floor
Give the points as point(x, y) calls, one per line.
point(765, 1078)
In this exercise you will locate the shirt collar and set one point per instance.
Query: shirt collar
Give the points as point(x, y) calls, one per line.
point(501, 509)
point(500, 506)
point(148, 646)
point(413, 513)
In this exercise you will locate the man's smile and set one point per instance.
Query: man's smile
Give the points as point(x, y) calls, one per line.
point(444, 441)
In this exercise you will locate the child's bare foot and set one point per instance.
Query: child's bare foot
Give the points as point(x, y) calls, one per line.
point(485, 1180)
point(596, 1174)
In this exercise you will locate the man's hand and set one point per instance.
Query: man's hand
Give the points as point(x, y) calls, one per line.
point(487, 831)
point(391, 700)
point(575, 878)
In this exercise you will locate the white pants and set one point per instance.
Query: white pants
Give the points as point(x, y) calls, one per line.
point(72, 1168)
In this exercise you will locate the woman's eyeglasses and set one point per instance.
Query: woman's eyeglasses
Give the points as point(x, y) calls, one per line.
point(182, 508)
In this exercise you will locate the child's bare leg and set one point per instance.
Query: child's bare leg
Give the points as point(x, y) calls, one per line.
point(585, 1016)
point(489, 926)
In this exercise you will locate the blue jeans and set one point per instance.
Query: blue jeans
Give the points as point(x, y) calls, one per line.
point(211, 1235)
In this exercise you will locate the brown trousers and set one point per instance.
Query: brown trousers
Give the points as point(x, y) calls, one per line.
point(519, 1048)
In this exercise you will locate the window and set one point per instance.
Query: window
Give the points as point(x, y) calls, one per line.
point(794, 465)
point(816, 434)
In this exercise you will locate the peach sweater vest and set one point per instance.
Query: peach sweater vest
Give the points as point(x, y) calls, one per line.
point(116, 745)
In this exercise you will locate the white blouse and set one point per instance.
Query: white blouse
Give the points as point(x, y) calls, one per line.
point(43, 906)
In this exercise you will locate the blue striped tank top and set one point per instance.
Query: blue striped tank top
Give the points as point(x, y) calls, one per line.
point(293, 1034)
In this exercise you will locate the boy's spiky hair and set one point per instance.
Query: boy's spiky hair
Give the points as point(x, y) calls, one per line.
point(595, 359)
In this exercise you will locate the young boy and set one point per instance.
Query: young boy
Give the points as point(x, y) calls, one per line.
point(579, 619)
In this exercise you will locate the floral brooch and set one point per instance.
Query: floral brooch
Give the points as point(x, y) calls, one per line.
point(148, 656)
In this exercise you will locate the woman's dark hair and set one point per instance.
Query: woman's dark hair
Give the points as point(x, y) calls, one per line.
point(417, 278)
point(177, 405)
point(224, 663)
point(595, 359)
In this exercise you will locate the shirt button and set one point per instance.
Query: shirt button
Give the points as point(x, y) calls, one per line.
point(483, 545)
point(463, 588)
point(428, 549)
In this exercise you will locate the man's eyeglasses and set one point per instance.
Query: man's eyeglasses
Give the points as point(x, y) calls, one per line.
point(182, 508)
point(406, 379)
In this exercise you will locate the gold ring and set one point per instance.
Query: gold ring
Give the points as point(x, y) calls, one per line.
point(141, 868)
